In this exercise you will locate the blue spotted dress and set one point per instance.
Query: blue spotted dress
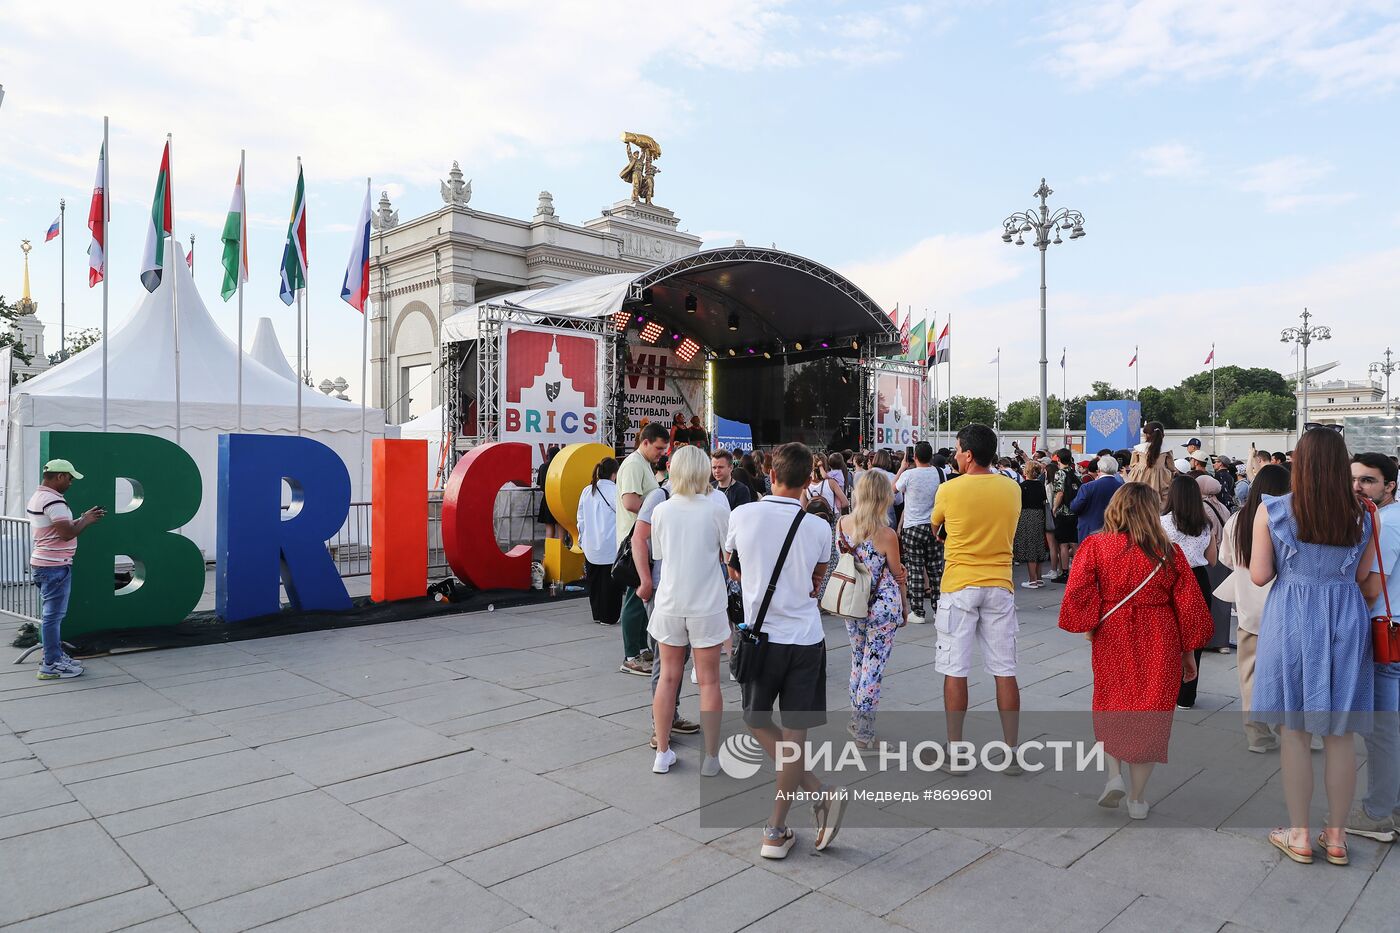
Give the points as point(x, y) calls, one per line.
point(1313, 669)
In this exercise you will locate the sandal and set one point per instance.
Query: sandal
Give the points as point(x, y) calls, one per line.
point(1329, 848)
point(1279, 839)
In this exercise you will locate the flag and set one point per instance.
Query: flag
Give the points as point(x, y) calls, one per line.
point(189, 257)
point(97, 257)
point(294, 252)
point(355, 288)
point(1063, 353)
point(918, 343)
point(1212, 355)
point(904, 333)
point(53, 230)
point(995, 359)
point(942, 347)
point(1132, 361)
point(162, 207)
point(235, 237)
point(894, 314)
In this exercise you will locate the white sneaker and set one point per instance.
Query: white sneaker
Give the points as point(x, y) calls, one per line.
point(663, 762)
point(710, 766)
point(914, 618)
point(1113, 793)
point(1050, 575)
point(1137, 809)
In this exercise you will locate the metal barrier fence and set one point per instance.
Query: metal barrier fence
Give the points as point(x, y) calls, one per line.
point(515, 517)
point(18, 594)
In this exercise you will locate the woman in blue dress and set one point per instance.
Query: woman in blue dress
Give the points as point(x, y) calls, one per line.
point(1313, 672)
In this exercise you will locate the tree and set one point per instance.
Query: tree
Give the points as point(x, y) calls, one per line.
point(1261, 410)
point(967, 410)
point(77, 343)
point(1024, 415)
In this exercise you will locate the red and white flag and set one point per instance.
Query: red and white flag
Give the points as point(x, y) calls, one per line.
point(97, 256)
point(943, 347)
point(1132, 361)
point(904, 332)
point(1211, 358)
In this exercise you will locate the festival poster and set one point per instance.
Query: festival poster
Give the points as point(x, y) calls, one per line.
point(899, 417)
point(550, 392)
point(658, 387)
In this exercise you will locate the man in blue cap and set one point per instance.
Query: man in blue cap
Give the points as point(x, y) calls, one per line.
point(55, 542)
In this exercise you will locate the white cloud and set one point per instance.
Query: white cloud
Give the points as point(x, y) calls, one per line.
point(1335, 46)
point(1283, 183)
point(1171, 160)
point(938, 272)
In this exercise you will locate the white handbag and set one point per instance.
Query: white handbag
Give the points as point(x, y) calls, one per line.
point(847, 593)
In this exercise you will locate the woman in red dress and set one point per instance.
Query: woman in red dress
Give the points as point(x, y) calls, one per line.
point(1145, 646)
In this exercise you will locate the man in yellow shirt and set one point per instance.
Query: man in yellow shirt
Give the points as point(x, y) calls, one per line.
point(978, 511)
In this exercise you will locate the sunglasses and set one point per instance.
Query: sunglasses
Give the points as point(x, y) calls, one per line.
point(1315, 426)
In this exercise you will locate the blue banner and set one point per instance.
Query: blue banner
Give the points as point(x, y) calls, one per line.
point(733, 435)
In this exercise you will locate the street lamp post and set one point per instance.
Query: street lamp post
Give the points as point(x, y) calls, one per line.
point(1386, 369)
point(1041, 223)
point(1304, 336)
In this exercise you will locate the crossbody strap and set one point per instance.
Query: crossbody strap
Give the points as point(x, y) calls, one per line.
point(777, 569)
point(1376, 540)
point(1135, 591)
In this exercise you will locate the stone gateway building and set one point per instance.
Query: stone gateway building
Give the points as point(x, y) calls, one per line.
point(422, 271)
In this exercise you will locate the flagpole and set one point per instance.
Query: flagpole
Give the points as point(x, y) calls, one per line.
point(998, 411)
point(174, 278)
point(950, 374)
point(1064, 391)
point(364, 369)
point(299, 292)
point(1214, 429)
point(106, 266)
point(937, 411)
point(62, 276)
point(242, 250)
point(191, 255)
point(1137, 373)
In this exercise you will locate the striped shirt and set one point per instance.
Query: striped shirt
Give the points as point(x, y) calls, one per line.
point(45, 507)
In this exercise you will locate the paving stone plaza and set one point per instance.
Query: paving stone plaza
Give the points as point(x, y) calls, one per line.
point(490, 771)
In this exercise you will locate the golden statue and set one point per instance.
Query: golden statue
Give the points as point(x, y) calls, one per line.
point(640, 170)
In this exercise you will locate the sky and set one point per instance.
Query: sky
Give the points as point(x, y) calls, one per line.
point(1232, 158)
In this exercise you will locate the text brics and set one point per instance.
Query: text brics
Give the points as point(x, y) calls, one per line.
point(260, 545)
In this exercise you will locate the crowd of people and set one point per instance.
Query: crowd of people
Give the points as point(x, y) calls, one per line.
point(1277, 558)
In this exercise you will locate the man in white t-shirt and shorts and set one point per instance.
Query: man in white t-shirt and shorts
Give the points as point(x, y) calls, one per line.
point(793, 676)
point(919, 548)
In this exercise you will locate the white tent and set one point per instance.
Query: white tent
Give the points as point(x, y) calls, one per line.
point(267, 351)
point(427, 427)
point(141, 397)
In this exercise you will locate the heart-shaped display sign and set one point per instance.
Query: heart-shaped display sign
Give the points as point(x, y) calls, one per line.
point(1106, 420)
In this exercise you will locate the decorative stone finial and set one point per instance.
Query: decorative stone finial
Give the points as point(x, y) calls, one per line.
point(454, 190)
point(546, 206)
point(386, 218)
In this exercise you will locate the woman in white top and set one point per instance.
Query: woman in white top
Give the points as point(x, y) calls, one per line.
point(825, 486)
point(687, 533)
point(1238, 588)
point(597, 534)
point(1186, 526)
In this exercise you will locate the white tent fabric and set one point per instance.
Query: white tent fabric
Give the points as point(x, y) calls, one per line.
point(427, 427)
point(595, 296)
point(268, 351)
point(141, 397)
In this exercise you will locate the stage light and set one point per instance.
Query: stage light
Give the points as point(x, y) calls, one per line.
point(825, 345)
point(855, 344)
point(751, 350)
point(691, 304)
point(620, 320)
point(687, 350)
point(646, 298)
point(767, 355)
point(731, 351)
point(675, 336)
point(798, 346)
point(844, 378)
point(733, 320)
point(652, 331)
point(641, 319)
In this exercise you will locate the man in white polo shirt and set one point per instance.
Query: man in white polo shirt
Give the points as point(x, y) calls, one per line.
point(55, 542)
point(793, 675)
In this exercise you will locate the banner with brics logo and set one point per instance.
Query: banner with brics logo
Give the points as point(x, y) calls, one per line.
point(261, 547)
point(549, 387)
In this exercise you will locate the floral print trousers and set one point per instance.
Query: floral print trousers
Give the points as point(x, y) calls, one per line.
point(870, 648)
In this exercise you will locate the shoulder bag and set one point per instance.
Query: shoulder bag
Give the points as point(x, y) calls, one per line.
point(624, 568)
point(1385, 633)
point(847, 593)
point(1124, 601)
point(750, 644)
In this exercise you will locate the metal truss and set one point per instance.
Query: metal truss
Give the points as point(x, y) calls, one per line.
point(492, 318)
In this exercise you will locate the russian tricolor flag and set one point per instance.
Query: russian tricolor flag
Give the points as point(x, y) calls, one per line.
point(53, 230)
point(355, 288)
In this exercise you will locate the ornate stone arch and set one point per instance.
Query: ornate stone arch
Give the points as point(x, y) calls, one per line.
point(405, 313)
